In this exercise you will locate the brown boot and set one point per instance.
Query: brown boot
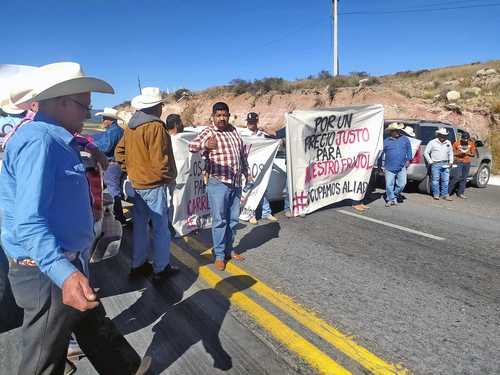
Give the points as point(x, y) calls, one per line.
point(219, 265)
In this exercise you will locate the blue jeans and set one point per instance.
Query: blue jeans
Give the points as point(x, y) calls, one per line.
point(395, 183)
point(112, 178)
point(265, 207)
point(151, 204)
point(440, 173)
point(224, 201)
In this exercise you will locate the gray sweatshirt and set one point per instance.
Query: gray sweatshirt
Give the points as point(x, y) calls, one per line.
point(438, 151)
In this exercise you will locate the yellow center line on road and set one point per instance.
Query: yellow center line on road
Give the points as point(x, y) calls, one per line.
point(279, 330)
point(311, 321)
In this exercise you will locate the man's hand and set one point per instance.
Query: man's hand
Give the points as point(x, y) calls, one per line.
point(211, 143)
point(99, 157)
point(77, 293)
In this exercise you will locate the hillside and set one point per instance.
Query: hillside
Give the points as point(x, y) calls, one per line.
point(467, 96)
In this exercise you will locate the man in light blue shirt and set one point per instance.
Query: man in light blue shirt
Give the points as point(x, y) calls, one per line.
point(47, 226)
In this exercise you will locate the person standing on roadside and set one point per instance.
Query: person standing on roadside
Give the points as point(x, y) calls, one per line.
point(145, 153)
point(174, 124)
point(253, 127)
point(463, 150)
point(227, 163)
point(48, 226)
point(439, 155)
point(106, 142)
point(396, 155)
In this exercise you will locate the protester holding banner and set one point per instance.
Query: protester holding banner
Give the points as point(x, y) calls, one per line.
point(227, 162)
point(396, 154)
point(145, 152)
point(253, 127)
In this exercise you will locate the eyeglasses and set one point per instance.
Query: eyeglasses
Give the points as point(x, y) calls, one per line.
point(85, 107)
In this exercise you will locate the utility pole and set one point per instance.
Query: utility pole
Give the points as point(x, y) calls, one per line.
point(139, 84)
point(335, 39)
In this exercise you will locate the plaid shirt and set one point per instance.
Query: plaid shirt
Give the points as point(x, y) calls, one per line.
point(229, 160)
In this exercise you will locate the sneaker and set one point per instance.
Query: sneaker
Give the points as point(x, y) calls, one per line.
point(394, 203)
point(447, 198)
point(436, 198)
point(168, 271)
point(253, 221)
point(288, 214)
point(145, 270)
point(302, 215)
point(461, 196)
point(400, 199)
point(388, 204)
point(271, 218)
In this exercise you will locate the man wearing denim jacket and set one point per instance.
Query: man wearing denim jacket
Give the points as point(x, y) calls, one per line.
point(396, 155)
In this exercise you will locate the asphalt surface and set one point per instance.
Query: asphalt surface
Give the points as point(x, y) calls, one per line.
point(429, 303)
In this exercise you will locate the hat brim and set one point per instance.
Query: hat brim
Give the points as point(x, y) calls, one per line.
point(109, 115)
point(442, 133)
point(12, 110)
point(70, 87)
point(137, 103)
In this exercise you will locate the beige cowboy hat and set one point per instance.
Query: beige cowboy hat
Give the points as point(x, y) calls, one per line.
point(150, 96)
point(442, 131)
point(395, 126)
point(408, 130)
point(109, 112)
point(54, 80)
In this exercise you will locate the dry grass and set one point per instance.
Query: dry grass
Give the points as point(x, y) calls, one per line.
point(495, 107)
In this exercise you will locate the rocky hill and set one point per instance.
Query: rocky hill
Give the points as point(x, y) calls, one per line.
point(466, 96)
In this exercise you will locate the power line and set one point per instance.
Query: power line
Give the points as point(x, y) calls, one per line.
point(418, 10)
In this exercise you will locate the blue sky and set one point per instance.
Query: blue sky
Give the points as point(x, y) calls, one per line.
point(200, 43)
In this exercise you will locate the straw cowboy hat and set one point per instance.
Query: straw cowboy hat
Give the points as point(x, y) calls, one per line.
point(395, 126)
point(150, 97)
point(442, 131)
point(54, 80)
point(109, 112)
point(408, 130)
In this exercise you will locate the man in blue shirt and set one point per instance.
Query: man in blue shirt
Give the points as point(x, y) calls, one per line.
point(106, 142)
point(396, 155)
point(47, 226)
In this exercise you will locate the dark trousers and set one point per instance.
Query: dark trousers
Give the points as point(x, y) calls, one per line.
point(458, 178)
point(48, 324)
point(11, 316)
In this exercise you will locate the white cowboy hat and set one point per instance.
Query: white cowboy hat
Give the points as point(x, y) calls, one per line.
point(54, 80)
point(442, 131)
point(11, 109)
point(408, 130)
point(149, 97)
point(395, 126)
point(109, 112)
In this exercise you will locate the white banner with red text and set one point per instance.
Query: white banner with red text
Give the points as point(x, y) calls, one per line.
point(190, 200)
point(331, 154)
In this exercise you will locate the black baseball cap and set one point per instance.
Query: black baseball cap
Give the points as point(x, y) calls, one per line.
point(465, 136)
point(252, 117)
